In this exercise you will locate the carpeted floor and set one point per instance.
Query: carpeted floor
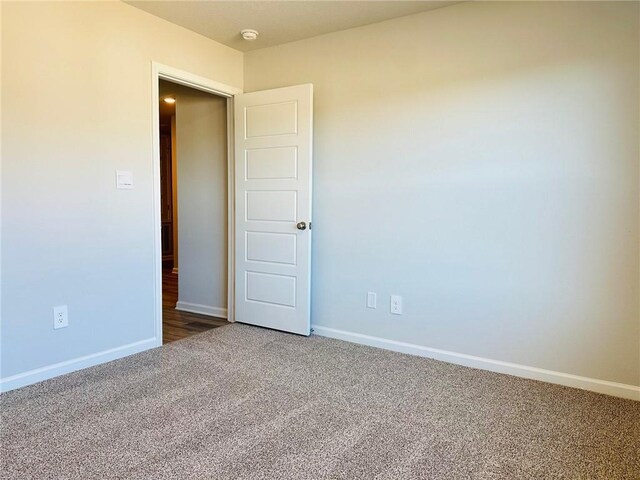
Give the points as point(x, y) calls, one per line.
point(240, 402)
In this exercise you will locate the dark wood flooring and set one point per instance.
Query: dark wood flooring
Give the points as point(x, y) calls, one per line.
point(177, 324)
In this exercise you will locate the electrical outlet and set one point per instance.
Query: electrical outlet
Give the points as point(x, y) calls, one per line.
point(371, 299)
point(396, 304)
point(60, 317)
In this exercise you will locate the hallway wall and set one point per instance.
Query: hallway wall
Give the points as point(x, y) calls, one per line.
point(201, 145)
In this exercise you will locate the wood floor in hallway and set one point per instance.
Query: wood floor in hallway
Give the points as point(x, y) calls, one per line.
point(176, 324)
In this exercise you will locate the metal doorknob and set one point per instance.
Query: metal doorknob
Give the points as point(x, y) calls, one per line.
point(301, 226)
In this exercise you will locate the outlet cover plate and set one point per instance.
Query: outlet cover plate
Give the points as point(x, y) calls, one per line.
point(396, 304)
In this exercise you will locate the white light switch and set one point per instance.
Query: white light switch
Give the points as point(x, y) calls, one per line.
point(371, 300)
point(124, 180)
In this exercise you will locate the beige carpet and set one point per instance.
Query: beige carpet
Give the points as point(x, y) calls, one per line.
point(240, 402)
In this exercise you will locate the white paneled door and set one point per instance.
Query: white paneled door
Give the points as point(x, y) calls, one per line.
point(273, 150)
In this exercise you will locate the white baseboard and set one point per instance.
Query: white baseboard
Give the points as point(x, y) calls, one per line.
point(201, 309)
point(601, 386)
point(44, 373)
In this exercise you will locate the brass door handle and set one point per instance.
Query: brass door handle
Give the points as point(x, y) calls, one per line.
point(301, 226)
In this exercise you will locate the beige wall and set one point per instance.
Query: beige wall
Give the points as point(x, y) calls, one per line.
point(480, 160)
point(76, 106)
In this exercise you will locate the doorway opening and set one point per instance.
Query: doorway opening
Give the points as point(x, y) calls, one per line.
point(182, 78)
point(269, 138)
point(193, 152)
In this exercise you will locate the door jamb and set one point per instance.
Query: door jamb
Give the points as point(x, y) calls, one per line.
point(164, 72)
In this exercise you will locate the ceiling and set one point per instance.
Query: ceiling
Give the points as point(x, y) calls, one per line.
point(277, 21)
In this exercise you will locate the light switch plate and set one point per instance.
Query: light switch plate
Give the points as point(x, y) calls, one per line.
point(371, 299)
point(124, 180)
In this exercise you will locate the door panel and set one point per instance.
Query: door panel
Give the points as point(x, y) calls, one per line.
point(273, 150)
point(274, 162)
point(271, 247)
point(272, 205)
point(271, 119)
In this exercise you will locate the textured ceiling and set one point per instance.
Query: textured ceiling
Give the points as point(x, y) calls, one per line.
point(278, 21)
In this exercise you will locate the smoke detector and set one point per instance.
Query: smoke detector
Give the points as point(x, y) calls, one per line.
point(249, 34)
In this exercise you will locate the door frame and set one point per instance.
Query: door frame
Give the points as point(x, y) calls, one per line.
point(165, 72)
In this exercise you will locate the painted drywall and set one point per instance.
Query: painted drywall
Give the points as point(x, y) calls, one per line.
point(482, 161)
point(174, 194)
point(76, 105)
point(201, 143)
